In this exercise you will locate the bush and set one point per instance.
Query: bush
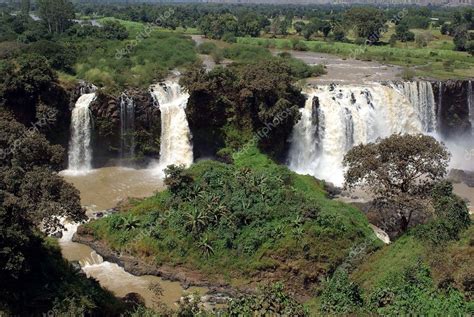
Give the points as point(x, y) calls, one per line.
point(408, 74)
point(269, 301)
point(452, 216)
point(412, 293)
point(300, 46)
point(113, 30)
point(340, 295)
point(229, 38)
point(206, 48)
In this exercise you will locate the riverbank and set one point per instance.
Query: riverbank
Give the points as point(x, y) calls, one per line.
point(187, 278)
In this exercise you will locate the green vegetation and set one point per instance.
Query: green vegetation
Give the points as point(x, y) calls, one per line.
point(414, 277)
point(235, 220)
point(424, 61)
point(401, 172)
point(117, 55)
point(269, 300)
point(35, 278)
point(121, 64)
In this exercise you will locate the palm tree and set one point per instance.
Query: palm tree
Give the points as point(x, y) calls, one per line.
point(130, 222)
point(205, 245)
point(195, 221)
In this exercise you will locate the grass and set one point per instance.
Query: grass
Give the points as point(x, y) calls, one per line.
point(450, 262)
point(427, 62)
point(392, 259)
point(137, 62)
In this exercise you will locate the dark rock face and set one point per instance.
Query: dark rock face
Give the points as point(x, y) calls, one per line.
point(106, 140)
point(452, 107)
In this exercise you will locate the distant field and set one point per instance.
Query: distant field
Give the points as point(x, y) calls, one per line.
point(431, 61)
point(135, 62)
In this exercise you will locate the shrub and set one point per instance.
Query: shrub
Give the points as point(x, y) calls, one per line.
point(408, 74)
point(229, 38)
point(206, 48)
point(269, 301)
point(340, 295)
point(452, 216)
point(412, 293)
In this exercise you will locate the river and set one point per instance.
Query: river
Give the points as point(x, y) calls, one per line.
point(102, 189)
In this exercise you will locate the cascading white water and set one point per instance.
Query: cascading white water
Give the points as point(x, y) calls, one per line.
point(305, 139)
point(346, 116)
point(176, 147)
point(420, 94)
point(80, 151)
point(470, 101)
point(127, 126)
point(439, 107)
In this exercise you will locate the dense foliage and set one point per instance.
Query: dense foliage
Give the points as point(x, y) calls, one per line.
point(268, 300)
point(33, 198)
point(237, 220)
point(400, 171)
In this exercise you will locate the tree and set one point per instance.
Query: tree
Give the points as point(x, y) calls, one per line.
point(325, 28)
point(470, 47)
point(57, 14)
point(403, 33)
point(461, 38)
point(339, 35)
point(367, 22)
point(25, 7)
point(309, 30)
point(422, 39)
point(249, 24)
point(451, 216)
point(299, 26)
point(400, 171)
point(114, 30)
point(33, 197)
point(445, 29)
point(59, 56)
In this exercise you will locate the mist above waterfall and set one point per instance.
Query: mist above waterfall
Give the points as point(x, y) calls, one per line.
point(175, 147)
point(80, 150)
point(335, 118)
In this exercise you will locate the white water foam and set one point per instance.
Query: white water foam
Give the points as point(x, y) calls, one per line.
point(176, 147)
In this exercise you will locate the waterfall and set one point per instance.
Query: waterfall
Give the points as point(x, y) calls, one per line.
point(348, 116)
point(305, 138)
point(175, 145)
point(420, 94)
point(440, 104)
point(470, 101)
point(80, 151)
point(127, 126)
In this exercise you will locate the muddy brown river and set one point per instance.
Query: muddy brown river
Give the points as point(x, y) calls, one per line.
point(102, 189)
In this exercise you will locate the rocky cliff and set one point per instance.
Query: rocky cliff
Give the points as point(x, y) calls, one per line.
point(452, 107)
point(107, 139)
